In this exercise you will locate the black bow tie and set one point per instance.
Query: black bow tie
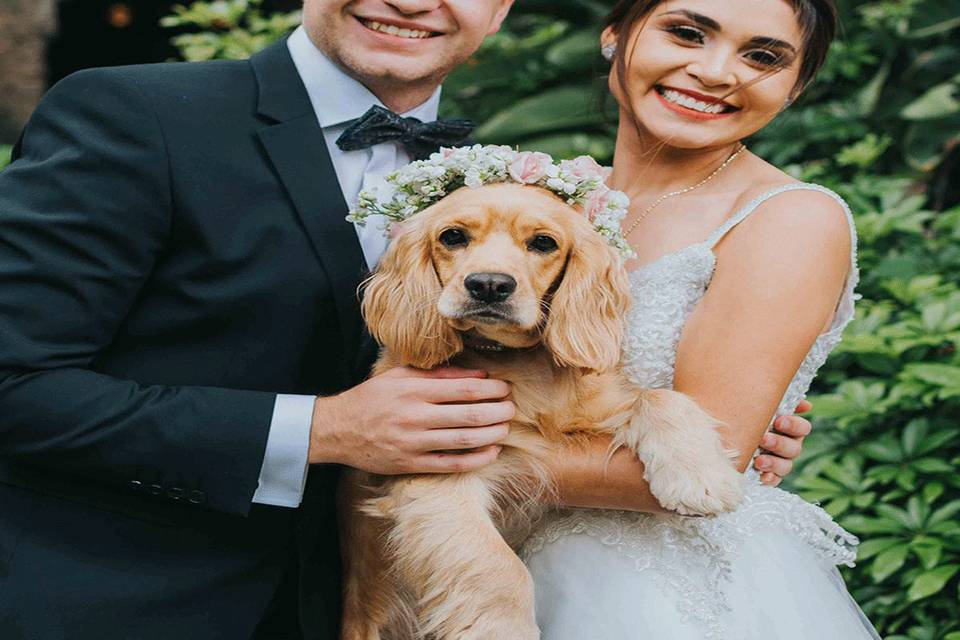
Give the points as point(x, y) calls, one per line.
point(420, 139)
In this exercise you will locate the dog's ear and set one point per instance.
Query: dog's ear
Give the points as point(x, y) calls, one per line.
point(585, 323)
point(400, 304)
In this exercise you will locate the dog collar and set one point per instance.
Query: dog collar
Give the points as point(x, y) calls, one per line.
point(484, 345)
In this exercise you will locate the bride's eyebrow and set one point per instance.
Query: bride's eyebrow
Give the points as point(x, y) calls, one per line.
point(771, 43)
point(697, 18)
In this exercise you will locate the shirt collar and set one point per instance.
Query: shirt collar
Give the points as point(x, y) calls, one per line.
point(336, 97)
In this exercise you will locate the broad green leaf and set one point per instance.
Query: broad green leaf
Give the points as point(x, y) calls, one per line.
point(912, 434)
point(938, 374)
point(576, 52)
point(931, 582)
point(945, 512)
point(863, 525)
point(938, 102)
point(896, 514)
point(887, 450)
point(932, 465)
point(873, 546)
point(932, 491)
point(889, 562)
point(937, 17)
point(561, 108)
point(928, 550)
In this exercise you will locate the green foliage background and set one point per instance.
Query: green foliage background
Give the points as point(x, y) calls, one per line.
point(882, 127)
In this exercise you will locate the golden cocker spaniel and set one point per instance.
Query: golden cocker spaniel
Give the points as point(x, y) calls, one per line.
point(512, 280)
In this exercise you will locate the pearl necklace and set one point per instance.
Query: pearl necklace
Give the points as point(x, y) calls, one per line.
point(667, 196)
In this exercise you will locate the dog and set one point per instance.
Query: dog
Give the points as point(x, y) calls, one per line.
point(510, 279)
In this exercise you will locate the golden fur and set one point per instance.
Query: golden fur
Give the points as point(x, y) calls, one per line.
point(431, 556)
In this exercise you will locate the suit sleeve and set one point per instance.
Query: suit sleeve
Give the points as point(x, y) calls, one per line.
point(85, 210)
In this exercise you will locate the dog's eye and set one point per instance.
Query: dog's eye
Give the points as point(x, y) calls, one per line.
point(543, 244)
point(453, 238)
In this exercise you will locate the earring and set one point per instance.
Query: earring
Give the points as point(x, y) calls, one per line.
point(607, 51)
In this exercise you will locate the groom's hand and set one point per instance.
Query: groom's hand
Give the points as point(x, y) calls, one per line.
point(782, 445)
point(412, 421)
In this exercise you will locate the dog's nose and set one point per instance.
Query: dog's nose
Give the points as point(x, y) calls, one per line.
point(490, 287)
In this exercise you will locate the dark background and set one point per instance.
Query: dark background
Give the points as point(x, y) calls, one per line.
point(98, 33)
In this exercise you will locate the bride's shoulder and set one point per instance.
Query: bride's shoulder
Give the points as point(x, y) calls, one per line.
point(805, 220)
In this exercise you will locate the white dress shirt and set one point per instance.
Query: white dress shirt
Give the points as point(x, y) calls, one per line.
point(337, 99)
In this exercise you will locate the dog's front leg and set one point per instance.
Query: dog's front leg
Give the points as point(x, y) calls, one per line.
point(685, 463)
point(445, 547)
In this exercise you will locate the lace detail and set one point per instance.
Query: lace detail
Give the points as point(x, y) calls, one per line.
point(664, 293)
point(704, 547)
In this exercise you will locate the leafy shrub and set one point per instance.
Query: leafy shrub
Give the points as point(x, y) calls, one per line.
point(5, 155)
point(881, 126)
point(231, 29)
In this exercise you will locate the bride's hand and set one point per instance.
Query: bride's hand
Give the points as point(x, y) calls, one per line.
point(782, 446)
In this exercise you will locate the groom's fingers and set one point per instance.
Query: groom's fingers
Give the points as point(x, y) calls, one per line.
point(456, 462)
point(463, 390)
point(441, 373)
point(483, 414)
point(462, 439)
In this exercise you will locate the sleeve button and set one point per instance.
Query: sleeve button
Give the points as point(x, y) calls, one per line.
point(197, 497)
point(135, 485)
point(155, 489)
point(175, 493)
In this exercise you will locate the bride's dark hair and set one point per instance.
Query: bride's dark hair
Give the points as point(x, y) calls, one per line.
point(817, 20)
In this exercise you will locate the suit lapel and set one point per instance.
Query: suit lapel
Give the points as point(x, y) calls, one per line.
point(296, 147)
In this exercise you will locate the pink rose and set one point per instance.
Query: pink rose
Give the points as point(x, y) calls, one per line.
point(595, 201)
point(583, 168)
point(530, 166)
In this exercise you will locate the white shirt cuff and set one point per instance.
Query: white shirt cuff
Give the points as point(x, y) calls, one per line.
point(283, 474)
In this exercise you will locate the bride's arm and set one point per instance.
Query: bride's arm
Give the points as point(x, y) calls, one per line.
point(778, 279)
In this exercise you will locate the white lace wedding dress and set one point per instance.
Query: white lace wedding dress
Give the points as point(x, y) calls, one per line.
point(765, 571)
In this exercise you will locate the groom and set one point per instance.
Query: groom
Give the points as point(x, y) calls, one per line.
point(180, 342)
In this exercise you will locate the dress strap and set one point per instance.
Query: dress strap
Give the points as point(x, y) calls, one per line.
point(742, 214)
point(844, 311)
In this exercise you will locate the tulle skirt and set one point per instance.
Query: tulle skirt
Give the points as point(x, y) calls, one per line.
point(766, 571)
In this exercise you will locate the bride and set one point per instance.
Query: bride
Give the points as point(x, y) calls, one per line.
point(743, 283)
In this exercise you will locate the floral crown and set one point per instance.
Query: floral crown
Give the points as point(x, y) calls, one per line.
point(423, 182)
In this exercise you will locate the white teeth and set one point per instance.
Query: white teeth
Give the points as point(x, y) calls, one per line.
point(691, 103)
point(395, 31)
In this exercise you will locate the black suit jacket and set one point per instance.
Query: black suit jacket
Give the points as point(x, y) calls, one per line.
point(173, 254)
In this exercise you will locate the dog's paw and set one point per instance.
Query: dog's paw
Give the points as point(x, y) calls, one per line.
point(700, 490)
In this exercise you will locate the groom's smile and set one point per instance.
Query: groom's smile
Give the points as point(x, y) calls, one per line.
point(399, 30)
